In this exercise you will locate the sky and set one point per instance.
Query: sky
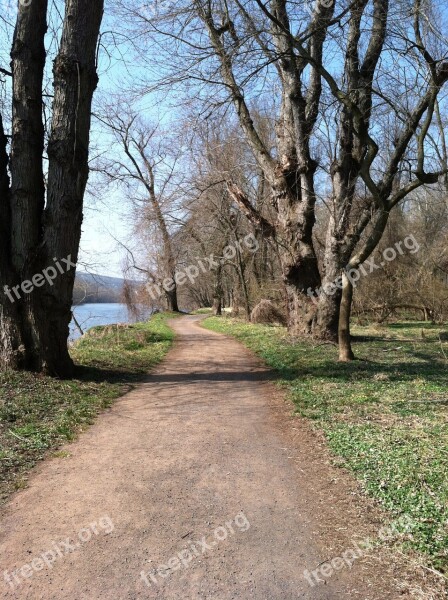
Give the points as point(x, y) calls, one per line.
point(100, 253)
point(105, 212)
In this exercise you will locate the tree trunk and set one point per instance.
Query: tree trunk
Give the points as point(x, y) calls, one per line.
point(234, 302)
point(327, 321)
point(300, 276)
point(330, 292)
point(345, 346)
point(11, 342)
point(217, 307)
point(218, 293)
point(379, 222)
point(34, 325)
point(294, 199)
point(241, 271)
point(171, 300)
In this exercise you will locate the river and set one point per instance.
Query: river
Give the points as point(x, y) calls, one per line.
point(91, 315)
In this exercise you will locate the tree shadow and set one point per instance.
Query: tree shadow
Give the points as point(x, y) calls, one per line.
point(430, 367)
point(92, 374)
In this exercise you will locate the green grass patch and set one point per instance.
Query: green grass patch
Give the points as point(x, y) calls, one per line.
point(202, 311)
point(38, 414)
point(385, 415)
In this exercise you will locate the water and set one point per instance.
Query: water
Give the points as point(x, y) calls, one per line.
point(91, 315)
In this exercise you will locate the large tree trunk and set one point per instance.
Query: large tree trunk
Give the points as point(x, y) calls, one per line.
point(75, 80)
point(171, 300)
point(217, 307)
point(294, 199)
point(23, 201)
point(34, 327)
point(301, 309)
point(298, 259)
point(11, 346)
point(330, 292)
point(327, 320)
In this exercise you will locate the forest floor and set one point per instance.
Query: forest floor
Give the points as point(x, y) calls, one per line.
point(200, 483)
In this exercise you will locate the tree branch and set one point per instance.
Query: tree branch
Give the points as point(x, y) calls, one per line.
point(239, 197)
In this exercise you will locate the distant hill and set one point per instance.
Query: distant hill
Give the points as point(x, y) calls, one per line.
point(97, 289)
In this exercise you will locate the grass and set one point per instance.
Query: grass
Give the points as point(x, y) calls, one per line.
point(202, 311)
point(38, 414)
point(385, 416)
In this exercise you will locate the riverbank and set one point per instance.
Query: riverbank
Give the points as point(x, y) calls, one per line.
point(88, 315)
point(38, 414)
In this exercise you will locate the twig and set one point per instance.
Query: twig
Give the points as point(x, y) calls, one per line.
point(75, 321)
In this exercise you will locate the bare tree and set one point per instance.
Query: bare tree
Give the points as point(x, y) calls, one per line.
point(146, 165)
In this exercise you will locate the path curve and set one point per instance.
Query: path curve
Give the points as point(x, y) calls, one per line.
point(196, 455)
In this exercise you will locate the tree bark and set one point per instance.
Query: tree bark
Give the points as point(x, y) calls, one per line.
point(218, 292)
point(171, 299)
point(345, 345)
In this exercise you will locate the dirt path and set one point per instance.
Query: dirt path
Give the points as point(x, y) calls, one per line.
point(194, 470)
